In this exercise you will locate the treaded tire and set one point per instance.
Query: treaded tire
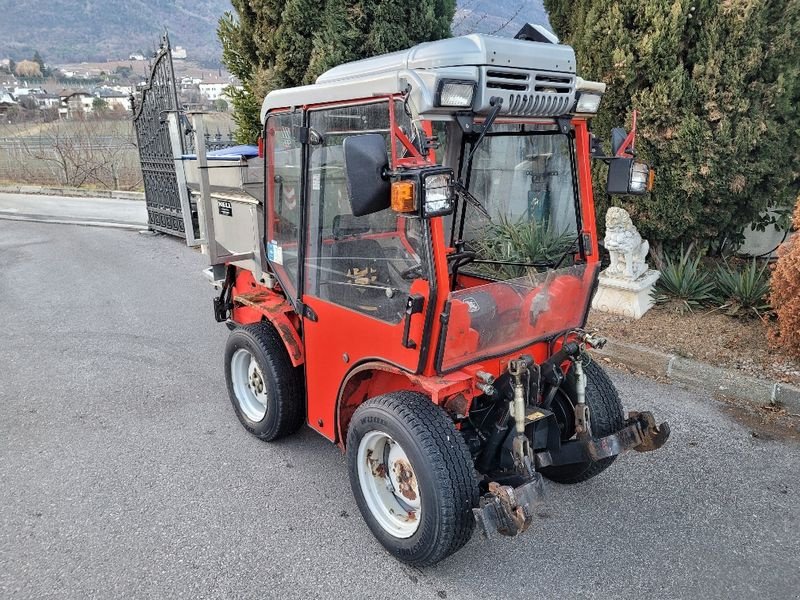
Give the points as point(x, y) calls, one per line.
point(606, 416)
point(283, 383)
point(442, 465)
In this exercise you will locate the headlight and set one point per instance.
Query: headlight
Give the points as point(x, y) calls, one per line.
point(640, 175)
point(588, 103)
point(438, 194)
point(455, 93)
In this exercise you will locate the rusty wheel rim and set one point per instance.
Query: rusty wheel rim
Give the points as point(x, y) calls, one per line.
point(249, 385)
point(389, 484)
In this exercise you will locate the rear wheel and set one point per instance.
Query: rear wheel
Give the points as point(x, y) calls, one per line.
point(606, 416)
point(263, 386)
point(412, 477)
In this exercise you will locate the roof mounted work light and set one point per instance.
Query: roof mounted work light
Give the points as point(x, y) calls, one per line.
point(588, 103)
point(457, 94)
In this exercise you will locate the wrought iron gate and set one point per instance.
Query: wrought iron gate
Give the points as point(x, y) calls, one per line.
point(159, 97)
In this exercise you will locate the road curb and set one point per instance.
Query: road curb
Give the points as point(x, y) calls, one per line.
point(67, 221)
point(72, 192)
point(725, 382)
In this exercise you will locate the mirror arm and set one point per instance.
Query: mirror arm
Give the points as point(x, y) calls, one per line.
point(496, 103)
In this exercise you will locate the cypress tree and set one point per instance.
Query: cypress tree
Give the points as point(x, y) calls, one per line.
point(301, 19)
point(717, 85)
point(353, 29)
point(249, 46)
point(269, 44)
point(342, 35)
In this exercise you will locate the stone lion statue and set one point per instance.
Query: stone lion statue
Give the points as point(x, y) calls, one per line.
point(627, 248)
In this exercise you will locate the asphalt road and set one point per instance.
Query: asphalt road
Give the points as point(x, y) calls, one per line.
point(124, 472)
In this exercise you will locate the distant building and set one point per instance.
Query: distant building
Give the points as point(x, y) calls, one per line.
point(44, 101)
point(7, 101)
point(74, 102)
point(25, 91)
point(213, 90)
point(179, 52)
point(136, 57)
point(114, 98)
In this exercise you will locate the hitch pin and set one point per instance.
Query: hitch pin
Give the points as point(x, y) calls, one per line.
point(581, 409)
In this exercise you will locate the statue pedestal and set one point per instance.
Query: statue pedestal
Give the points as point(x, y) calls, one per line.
point(625, 297)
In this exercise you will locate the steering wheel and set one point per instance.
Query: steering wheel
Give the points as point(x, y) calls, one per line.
point(461, 258)
point(412, 273)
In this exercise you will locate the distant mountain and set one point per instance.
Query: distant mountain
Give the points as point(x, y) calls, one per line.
point(89, 30)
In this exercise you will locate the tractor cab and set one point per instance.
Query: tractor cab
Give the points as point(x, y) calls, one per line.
point(430, 253)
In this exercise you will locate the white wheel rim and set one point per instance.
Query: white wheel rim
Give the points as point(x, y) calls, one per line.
point(249, 386)
point(389, 484)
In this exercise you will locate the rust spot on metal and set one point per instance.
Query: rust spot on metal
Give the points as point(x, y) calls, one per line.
point(376, 466)
point(288, 337)
point(405, 479)
point(457, 405)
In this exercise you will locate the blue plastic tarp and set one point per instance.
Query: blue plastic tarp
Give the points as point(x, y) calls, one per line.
point(232, 153)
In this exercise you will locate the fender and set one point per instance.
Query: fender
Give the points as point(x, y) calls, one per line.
point(265, 304)
point(373, 378)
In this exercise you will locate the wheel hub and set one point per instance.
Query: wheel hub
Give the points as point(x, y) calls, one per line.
point(249, 386)
point(389, 484)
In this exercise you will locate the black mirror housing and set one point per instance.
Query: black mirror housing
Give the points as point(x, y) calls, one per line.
point(628, 176)
point(366, 166)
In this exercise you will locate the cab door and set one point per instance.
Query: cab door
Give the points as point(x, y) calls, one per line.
point(283, 156)
point(359, 272)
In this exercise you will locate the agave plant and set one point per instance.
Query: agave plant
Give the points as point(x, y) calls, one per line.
point(684, 282)
point(521, 241)
point(743, 292)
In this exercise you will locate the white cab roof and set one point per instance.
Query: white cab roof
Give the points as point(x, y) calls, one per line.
point(532, 78)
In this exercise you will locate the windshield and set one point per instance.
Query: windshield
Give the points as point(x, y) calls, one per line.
point(523, 177)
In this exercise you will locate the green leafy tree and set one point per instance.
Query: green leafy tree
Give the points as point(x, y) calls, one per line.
point(301, 19)
point(99, 105)
point(269, 44)
point(353, 29)
point(717, 86)
point(249, 45)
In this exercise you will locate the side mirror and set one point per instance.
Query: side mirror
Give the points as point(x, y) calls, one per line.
point(366, 166)
point(629, 176)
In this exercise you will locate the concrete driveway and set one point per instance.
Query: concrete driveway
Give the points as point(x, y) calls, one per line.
point(117, 212)
point(124, 472)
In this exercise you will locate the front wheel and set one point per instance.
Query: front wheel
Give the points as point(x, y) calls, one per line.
point(605, 417)
point(412, 477)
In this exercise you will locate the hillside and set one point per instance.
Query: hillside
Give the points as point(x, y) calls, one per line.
point(90, 30)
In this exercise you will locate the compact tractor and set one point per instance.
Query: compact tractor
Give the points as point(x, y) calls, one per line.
point(375, 288)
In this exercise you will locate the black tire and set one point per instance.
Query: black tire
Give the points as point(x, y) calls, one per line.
point(606, 416)
point(441, 463)
point(282, 382)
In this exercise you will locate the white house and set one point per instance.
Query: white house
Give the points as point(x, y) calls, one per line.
point(213, 89)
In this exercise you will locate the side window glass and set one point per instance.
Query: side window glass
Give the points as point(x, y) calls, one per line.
point(368, 263)
point(284, 159)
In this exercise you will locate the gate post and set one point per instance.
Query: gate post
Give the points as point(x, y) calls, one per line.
point(173, 122)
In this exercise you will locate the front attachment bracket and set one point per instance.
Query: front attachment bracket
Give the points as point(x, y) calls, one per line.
point(509, 510)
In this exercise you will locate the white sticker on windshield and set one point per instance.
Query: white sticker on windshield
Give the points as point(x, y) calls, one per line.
point(472, 304)
point(315, 179)
point(275, 253)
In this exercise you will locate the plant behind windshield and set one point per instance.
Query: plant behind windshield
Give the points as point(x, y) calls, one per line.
point(524, 182)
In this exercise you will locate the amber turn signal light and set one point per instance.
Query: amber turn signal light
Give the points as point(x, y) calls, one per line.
point(651, 180)
point(403, 196)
